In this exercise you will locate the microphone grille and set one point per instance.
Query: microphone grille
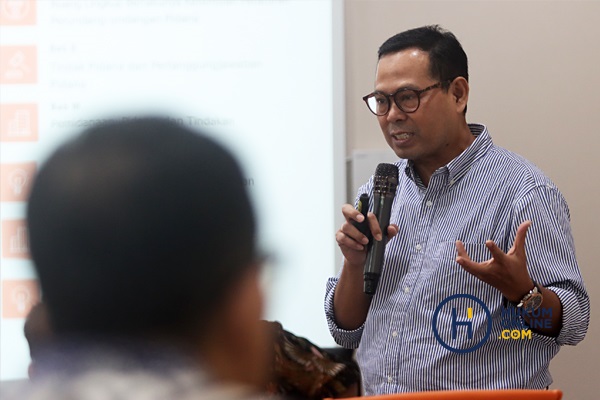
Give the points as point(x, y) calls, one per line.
point(386, 179)
point(384, 169)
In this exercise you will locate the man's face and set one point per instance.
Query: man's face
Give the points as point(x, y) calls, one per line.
point(428, 136)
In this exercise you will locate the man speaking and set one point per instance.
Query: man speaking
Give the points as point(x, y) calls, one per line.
point(480, 247)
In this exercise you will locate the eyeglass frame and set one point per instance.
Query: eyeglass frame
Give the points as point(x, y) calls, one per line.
point(393, 96)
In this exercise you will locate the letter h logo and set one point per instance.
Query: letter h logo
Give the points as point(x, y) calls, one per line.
point(456, 324)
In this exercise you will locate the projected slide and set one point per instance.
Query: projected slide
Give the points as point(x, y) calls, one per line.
point(256, 75)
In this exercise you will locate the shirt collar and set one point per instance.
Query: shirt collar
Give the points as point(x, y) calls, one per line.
point(460, 165)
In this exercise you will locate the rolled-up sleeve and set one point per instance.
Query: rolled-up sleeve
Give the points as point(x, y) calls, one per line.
point(551, 258)
point(345, 338)
point(575, 315)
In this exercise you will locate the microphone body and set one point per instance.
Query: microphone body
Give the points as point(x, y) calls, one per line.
point(384, 190)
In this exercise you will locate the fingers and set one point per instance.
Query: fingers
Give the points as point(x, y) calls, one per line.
point(519, 244)
point(344, 240)
point(348, 235)
point(392, 230)
point(374, 226)
point(351, 213)
point(464, 260)
point(497, 253)
point(517, 249)
point(463, 257)
point(350, 231)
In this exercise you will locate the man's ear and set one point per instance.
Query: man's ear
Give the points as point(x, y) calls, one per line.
point(460, 92)
point(238, 348)
point(31, 370)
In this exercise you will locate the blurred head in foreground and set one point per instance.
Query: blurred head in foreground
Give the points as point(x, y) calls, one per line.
point(142, 231)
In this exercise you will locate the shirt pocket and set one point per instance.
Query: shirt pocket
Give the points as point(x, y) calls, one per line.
point(449, 276)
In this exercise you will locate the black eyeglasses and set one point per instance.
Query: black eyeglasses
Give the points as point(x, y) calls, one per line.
point(407, 100)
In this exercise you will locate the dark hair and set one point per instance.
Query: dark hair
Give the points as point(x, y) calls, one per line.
point(447, 59)
point(139, 226)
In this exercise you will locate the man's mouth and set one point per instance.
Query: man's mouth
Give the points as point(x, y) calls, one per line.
point(401, 136)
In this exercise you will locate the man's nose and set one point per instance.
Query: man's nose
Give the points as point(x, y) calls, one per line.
point(395, 113)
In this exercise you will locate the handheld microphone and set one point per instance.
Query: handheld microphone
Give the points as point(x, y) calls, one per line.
point(384, 190)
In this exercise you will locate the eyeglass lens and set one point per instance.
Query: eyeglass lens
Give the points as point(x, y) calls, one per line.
point(407, 100)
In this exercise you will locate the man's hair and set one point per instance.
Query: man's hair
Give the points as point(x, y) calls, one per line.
point(139, 227)
point(447, 59)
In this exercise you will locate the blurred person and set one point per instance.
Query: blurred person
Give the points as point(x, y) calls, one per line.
point(468, 219)
point(144, 240)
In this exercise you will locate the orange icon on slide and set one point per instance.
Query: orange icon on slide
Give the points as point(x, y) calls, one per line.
point(18, 64)
point(18, 122)
point(17, 12)
point(15, 243)
point(15, 181)
point(18, 296)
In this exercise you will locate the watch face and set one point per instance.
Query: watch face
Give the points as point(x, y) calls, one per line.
point(533, 302)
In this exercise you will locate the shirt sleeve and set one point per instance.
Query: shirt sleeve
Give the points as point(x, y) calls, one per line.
point(345, 338)
point(551, 257)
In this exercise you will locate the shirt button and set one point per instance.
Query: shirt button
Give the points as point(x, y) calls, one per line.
point(429, 203)
point(407, 290)
point(418, 247)
point(395, 334)
point(390, 379)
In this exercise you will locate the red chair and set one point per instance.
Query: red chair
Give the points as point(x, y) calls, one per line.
point(509, 394)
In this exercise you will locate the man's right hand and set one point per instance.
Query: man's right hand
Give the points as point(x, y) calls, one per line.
point(352, 242)
point(350, 303)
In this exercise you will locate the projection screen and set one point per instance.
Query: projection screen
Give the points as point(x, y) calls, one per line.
point(263, 77)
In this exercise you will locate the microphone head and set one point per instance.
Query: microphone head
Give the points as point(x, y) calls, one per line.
point(385, 179)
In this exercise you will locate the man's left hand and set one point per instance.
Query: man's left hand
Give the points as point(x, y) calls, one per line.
point(507, 272)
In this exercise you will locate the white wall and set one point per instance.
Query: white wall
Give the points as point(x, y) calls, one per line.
point(534, 74)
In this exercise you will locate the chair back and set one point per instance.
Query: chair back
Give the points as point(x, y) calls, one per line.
point(508, 394)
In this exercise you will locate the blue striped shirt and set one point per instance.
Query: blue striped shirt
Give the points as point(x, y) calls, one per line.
point(417, 336)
